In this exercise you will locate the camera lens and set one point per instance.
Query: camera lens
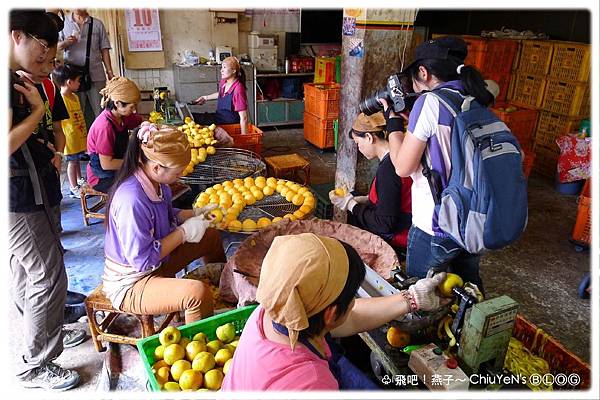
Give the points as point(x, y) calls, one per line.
point(371, 105)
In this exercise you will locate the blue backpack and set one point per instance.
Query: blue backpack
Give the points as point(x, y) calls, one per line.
point(484, 205)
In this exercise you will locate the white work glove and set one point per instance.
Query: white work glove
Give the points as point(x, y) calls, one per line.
point(361, 199)
point(194, 228)
point(344, 203)
point(205, 210)
point(423, 293)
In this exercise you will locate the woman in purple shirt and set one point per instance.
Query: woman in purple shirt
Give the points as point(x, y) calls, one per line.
point(232, 102)
point(147, 240)
point(438, 64)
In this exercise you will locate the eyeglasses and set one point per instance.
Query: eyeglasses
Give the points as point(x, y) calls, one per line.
point(45, 47)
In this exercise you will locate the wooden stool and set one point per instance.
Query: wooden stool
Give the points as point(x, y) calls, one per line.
point(97, 301)
point(289, 165)
point(93, 211)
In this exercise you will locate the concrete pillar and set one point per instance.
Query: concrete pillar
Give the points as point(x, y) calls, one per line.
point(385, 36)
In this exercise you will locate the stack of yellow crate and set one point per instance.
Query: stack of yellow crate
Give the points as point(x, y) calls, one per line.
point(552, 77)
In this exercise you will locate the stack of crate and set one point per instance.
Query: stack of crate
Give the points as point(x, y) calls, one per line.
point(494, 58)
point(321, 108)
point(552, 77)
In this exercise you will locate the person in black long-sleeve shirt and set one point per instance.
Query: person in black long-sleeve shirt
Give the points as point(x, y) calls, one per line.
point(386, 211)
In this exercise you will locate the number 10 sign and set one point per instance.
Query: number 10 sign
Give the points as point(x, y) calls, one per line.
point(143, 29)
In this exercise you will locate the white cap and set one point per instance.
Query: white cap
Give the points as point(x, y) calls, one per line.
point(492, 87)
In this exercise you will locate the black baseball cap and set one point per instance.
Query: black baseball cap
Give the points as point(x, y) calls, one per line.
point(443, 48)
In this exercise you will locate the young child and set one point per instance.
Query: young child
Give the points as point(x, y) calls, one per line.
point(74, 128)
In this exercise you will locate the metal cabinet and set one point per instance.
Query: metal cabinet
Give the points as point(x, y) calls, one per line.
point(192, 82)
point(280, 111)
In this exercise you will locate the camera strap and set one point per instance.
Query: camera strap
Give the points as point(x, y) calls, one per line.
point(88, 46)
point(434, 180)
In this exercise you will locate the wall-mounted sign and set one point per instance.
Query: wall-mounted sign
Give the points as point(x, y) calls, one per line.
point(143, 29)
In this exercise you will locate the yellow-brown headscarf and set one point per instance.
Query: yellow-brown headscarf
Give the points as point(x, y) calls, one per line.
point(122, 89)
point(164, 145)
point(369, 123)
point(300, 276)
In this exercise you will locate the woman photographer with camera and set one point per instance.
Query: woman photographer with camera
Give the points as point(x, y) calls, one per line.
point(439, 63)
point(386, 211)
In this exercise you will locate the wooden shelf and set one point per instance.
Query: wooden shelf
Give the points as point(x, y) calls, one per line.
point(283, 75)
point(277, 99)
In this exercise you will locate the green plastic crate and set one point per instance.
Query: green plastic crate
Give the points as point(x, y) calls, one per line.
point(146, 346)
point(324, 208)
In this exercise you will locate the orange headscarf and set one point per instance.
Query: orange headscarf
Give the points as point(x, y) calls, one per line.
point(122, 89)
point(300, 276)
point(164, 145)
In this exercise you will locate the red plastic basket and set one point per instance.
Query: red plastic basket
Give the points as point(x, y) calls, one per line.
point(521, 122)
point(252, 140)
point(322, 100)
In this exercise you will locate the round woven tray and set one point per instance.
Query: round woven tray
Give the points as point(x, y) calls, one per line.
point(240, 275)
point(270, 207)
point(226, 164)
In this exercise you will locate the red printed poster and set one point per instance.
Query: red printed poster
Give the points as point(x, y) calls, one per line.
point(143, 29)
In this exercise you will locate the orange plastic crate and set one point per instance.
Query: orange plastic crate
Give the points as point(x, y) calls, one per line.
point(527, 90)
point(536, 56)
point(546, 160)
point(476, 50)
point(521, 122)
point(582, 230)
point(515, 64)
point(571, 61)
point(550, 126)
point(318, 131)
point(503, 81)
point(488, 54)
point(500, 55)
point(560, 360)
point(322, 100)
point(252, 140)
point(567, 98)
point(475, 43)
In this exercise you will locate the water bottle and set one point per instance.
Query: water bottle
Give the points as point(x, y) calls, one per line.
point(287, 66)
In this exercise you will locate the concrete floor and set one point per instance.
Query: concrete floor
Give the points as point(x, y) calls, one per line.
point(541, 271)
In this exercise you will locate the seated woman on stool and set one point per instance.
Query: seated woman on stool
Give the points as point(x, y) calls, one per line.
point(386, 211)
point(147, 240)
point(232, 102)
point(109, 133)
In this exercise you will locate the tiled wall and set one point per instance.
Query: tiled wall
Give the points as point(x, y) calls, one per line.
point(148, 79)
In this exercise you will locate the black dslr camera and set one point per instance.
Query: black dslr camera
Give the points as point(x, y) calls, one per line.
point(398, 92)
